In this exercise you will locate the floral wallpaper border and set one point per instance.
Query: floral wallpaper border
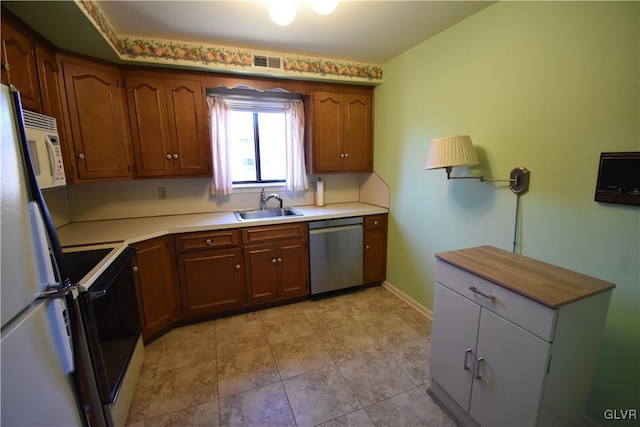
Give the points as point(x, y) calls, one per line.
point(151, 50)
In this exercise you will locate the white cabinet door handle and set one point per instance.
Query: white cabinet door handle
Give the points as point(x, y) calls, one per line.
point(479, 360)
point(466, 355)
point(479, 292)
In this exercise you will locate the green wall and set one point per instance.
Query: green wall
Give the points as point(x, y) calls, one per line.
point(545, 85)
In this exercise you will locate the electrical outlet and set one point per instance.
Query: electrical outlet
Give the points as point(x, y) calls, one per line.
point(162, 193)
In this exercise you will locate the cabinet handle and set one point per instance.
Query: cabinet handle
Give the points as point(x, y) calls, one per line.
point(135, 268)
point(346, 155)
point(279, 259)
point(466, 355)
point(168, 156)
point(237, 266)
point(479, 360)
point(342, 155)
point(477, 291)
point(207, 242)
point(273, 261)
point(81, 156)
point(367, 247)
point(175, 155)
point(375, 222)
point(6, 66)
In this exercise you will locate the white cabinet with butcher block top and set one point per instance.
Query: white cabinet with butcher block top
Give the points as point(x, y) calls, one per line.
point(515, 340)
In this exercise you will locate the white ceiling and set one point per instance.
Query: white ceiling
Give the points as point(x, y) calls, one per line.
point(362, 31)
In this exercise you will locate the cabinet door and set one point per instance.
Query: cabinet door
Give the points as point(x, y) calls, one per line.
point(261, 273)
point(212, 281)
point(375, 256)
point(327, 154)
point(151, 141)
point(19, 66)
point(453, 343)
point(357, 140)
point(98, 124)
point(188, 127)
point(293, 266)
point(509, 381)
point(49, 77)
point(156, 286)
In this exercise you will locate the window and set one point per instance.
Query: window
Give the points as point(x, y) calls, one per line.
point(256, 137)
point(257, 143)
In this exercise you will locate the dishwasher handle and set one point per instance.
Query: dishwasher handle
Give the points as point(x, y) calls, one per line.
point(335, 229)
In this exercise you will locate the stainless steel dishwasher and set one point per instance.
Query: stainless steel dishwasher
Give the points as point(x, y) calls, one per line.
point(335, 249)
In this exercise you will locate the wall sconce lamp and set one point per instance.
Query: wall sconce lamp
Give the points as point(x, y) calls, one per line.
point(457, 151)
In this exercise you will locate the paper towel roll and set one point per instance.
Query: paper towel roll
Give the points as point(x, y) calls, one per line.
point(320, 192)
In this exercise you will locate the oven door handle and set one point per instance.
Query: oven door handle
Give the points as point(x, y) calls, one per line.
point(93, 295)
point(102, 284)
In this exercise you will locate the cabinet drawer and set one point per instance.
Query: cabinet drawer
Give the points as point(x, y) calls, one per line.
point(375, 222)
point(536, 318)
point(204, 240)
point(274, 232)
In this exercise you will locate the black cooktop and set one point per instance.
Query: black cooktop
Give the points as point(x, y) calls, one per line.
point(80, 263)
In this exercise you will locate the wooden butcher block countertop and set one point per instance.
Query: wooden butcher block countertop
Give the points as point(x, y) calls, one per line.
point(545, 283)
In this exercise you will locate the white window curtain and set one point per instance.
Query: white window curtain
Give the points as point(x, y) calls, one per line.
point(296, 177)
point(221, 182)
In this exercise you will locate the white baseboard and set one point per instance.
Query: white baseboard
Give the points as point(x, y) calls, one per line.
point(406, 298)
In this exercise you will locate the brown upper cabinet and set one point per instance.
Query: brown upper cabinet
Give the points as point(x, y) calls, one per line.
point(341, 139)
point(158, 127)
point(48, 74)
point(97, 119)
point(19, 65)
point(29, 64)
point(168, 126)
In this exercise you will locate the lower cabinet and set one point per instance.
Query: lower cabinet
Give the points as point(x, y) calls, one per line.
point(375, 248)
point(156, 285)
point(503, 364)
point(515, 341)
point(276, 262)
point(206, 273)
point(211, 274)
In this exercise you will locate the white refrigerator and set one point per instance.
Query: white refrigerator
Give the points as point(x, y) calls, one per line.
point(39, 385)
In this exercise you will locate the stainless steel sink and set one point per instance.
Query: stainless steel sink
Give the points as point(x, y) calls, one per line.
point(246, 215)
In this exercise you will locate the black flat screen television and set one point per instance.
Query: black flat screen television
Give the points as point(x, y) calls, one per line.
point(619, 178)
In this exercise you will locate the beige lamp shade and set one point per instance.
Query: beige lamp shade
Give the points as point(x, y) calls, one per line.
point(451, 151)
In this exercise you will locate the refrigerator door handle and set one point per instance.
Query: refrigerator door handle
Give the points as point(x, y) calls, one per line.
point(47, 276)
point(56, 292)
point(59, 317)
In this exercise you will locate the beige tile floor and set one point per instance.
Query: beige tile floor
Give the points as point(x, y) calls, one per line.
point(360, 359)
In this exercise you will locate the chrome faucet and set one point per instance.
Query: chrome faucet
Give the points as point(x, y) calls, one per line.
point(264, 200)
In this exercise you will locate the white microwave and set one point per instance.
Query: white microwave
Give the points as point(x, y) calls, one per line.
point(44, 149)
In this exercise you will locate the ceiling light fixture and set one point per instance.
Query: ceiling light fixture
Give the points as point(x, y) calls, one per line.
point(324, 7)
point(457, 151)
point(283, 12)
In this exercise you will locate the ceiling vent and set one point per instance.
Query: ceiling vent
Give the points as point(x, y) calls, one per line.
point(264, 61)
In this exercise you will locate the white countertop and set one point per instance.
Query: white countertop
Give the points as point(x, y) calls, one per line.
point(129, 231)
